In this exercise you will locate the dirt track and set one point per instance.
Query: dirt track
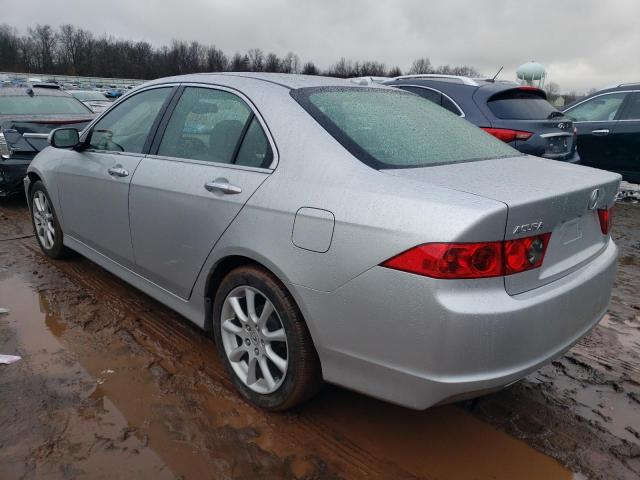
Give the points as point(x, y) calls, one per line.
point(114, 385)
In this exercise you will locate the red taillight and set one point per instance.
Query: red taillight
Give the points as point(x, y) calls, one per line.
point(472, 260)
point(508, 135)
point(606, 220)
point(525, 253)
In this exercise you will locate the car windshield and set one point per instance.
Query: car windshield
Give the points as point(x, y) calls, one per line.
point(89, 96)
point(389, 129)
point(40, 105)
point(521, 105)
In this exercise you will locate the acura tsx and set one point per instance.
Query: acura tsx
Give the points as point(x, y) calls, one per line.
point(326, 231)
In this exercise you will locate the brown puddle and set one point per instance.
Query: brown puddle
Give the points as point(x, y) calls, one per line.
point(114, 390)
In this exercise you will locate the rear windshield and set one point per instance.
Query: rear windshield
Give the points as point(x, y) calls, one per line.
point(88, 96)
point(40, 105)
point(387, 128)
point(519, 105)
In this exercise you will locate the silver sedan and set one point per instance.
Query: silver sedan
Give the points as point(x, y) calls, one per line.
point(326, 231)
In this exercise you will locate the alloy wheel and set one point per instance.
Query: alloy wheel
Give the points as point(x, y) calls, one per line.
point(254, 339)
point(43, 220)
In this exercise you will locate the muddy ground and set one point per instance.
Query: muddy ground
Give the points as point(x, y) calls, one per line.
point(114, 385)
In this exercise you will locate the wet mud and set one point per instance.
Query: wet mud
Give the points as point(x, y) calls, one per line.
point(114, 385)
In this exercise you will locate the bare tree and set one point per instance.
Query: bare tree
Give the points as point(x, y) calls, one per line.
point(272, 63)
point(553, 90)
point(309, 68)
point(44, 41)
point(421, 66)
point(72, 47)
point(291, 63)
point(394, 72)
point(256, 60)
point(72, 50)
point(216, 60)
point(9, 48)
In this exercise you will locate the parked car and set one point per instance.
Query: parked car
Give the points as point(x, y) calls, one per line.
point(518, 115)
point(113, 92)
point(326, 231)
point(96, 101)
point(27, 115)
point(608, 124)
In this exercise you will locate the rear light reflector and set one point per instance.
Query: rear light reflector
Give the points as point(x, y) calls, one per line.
point(606, 220)
point(472, 260)
point(508, 135)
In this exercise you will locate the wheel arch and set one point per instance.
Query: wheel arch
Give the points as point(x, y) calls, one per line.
point(221, 268)
point(33, 178)
point(234, 260)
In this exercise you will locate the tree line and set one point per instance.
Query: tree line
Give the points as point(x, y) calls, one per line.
point(70, 50)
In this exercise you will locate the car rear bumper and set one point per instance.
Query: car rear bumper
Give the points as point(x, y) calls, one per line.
point(573, 158)
point(417, 341)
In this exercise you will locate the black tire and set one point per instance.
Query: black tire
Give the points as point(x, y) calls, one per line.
point(303, 378)
point(57, 250)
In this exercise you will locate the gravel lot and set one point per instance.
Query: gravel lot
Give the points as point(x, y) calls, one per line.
point(114, 385)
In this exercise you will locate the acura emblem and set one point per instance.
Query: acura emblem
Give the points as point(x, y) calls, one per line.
point(593, 199)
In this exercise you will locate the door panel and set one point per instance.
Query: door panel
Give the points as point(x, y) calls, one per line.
point(184, 197)
point(95, 202)
point(596, 144)
point(596, 120)
point(175, 220)
point(94, 182)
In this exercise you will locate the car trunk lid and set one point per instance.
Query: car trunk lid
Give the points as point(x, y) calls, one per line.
point(541, 196)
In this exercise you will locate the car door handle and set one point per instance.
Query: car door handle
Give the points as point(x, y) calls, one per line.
point(600, 133)
point(118, 171)
point(222, 185)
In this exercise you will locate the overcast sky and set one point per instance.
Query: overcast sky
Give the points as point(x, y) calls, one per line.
point(584, 44)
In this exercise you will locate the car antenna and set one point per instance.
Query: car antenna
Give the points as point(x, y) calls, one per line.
point(496, 75)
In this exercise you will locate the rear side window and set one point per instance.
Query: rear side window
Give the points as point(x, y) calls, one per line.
point(520, 105)
point(255, 150)
point(632, 112)
point(602, 108)
point(387, 128)
point(209, 124)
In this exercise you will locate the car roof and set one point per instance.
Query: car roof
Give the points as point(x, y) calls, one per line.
point(287, 80)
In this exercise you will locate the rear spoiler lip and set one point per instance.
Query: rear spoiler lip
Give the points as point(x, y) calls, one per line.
point(534, 90)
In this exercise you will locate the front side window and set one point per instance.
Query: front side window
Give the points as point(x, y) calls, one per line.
point(602, 108)
point(209, 124)
point(126, 127)
point(387, 128)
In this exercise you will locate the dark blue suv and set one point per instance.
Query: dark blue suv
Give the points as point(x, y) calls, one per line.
point(518, 115)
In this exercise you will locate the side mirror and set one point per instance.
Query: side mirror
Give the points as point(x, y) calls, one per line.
point(64, 138)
